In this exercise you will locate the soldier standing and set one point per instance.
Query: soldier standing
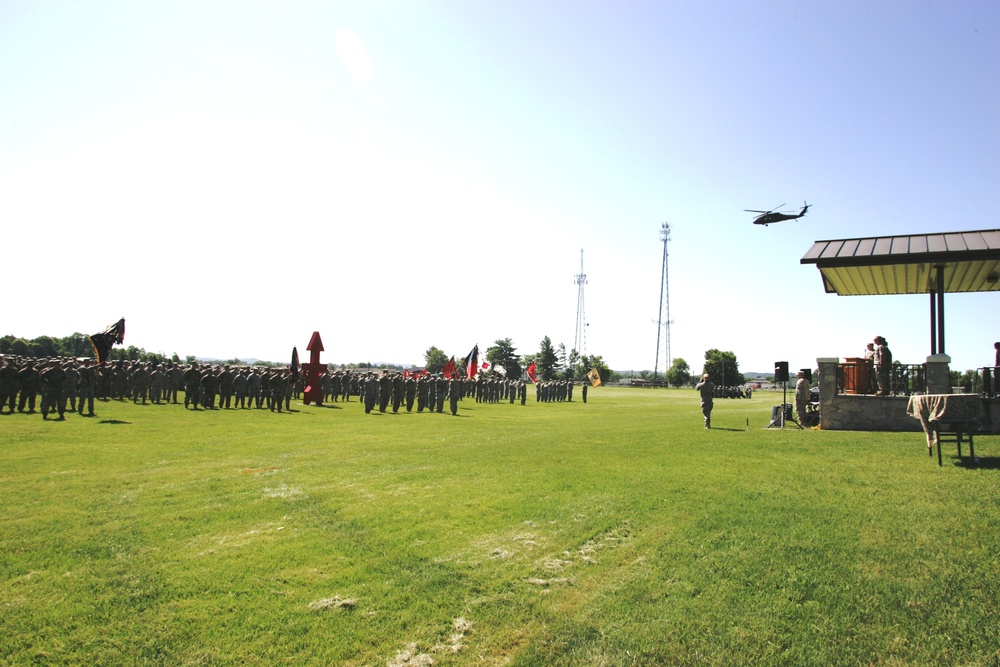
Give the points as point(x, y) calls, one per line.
point(173, 383)
point(370, 392)
point(192, 383)
point(440, 392)
point(253, 389)
point(30, 383)
point(71, 387)
point(421, 393)
point(53, 380)
point(8, 384)
point(140, 383)
point(384, 391)
point(240, 388)
point(88, 380)
point(410, 391)
point(225, 380)
point(209, 386)
point(455, 390)
point(706, 389)
point(397, 391)
point(277, 383)
point(156, 377)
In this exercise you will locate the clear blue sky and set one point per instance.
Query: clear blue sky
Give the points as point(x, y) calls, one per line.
point(232, 176)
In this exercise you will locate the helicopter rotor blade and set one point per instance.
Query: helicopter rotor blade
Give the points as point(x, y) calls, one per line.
point(750, 210)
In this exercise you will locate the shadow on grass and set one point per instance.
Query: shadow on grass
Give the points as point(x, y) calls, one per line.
point(979, 463)
point(112, 421)
point(327, 406)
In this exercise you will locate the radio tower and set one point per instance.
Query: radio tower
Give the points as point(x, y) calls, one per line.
point(663, 323)
point(580, 339)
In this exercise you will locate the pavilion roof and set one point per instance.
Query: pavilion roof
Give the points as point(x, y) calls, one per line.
point(908, 264)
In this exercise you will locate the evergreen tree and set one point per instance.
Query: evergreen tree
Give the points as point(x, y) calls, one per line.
point(503, 354)
point(546, 360)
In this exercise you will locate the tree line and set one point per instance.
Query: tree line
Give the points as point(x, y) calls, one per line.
point(552, 362)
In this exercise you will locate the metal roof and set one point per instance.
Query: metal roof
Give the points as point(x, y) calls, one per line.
point(908, 264)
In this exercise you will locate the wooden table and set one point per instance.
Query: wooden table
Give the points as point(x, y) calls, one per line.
point(953, 414)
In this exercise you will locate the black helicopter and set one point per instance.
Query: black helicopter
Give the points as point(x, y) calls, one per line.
point(767, 217)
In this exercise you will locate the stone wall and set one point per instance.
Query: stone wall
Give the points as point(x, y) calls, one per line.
point(850, 412)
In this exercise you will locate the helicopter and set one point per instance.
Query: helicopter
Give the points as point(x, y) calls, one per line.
point(767, 217)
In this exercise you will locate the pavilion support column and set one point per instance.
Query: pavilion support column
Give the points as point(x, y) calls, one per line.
point(937, 374)
point(827, 390)
point(940, 309)
point(933, 294)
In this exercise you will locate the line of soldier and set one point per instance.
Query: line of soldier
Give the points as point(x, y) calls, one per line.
point(732, 392)
point(62, 381)
point(394, 390)
point(557, 390)
point(207, 386)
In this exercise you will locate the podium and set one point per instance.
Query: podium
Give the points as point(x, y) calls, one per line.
point(857, 375)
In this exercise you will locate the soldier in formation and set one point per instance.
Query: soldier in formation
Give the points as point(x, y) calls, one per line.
point(79, 383)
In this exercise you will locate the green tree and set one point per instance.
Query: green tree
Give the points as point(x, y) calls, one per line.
point(595, 361)
point(77, 345)
point(503, 354)
point(19, 347)
point(723, 368)
point(561, 361)
point(546, 361)
point(44, 346)
point(575, 366)
point(679, 373)
point(434, 360)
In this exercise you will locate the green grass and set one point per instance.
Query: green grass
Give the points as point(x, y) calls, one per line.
point(614, 533)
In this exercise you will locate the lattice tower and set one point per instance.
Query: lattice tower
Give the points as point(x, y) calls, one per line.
point(663, 322)
point(580, 338)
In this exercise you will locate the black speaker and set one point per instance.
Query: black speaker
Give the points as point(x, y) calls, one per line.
point(807, 373)
point(781, 371)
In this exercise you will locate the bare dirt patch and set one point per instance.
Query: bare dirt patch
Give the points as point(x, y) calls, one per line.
point(336, 602)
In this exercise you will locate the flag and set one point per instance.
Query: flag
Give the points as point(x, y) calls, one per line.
point(294, 366)
point(501, 370)
point(102, 342)
point(450, 370)
point(531, 373)
point(595, 377)
point(472, 362)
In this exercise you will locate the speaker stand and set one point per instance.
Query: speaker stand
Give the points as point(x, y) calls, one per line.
point(781, 418)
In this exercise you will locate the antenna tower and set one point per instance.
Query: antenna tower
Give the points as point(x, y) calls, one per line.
point(580, 339)
point(664, 322)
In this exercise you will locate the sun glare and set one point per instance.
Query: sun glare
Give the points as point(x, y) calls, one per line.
point(352, 53)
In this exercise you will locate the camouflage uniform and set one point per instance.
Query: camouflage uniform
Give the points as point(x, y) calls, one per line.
point(192, 386)
point(30, 383)
point(8, 385)
point(53, 380)
point(88, 383)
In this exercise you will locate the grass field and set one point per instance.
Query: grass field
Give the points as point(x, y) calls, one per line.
point(619, 532)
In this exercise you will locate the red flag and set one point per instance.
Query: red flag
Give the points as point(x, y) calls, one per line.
point(531, 373)
point(450, 370)
point(472, 362)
